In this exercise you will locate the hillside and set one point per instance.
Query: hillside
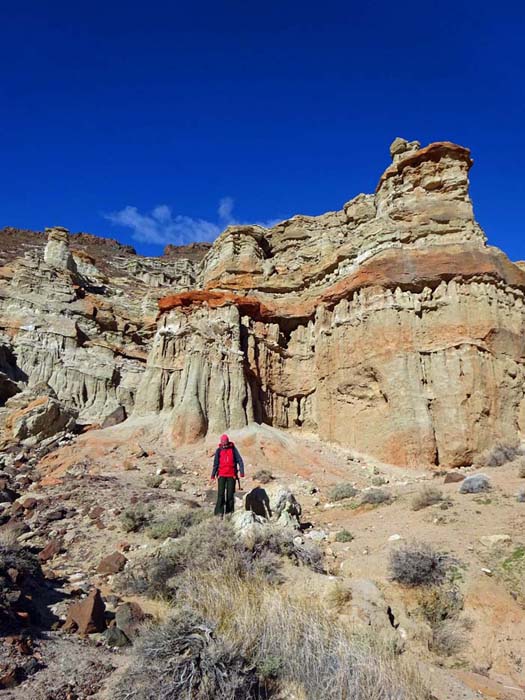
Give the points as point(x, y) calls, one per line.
point(371, 359)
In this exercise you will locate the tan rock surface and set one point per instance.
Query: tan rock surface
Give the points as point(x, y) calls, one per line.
point(388, 326)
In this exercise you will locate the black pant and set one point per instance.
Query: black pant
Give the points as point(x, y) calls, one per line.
point(225, 495)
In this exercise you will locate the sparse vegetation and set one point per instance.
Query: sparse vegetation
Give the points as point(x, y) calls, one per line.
point(521, 467)
point(184, 658)
point(338, 596)
point(176, 524)
point(264, 476)
point(341, 491)
point(440, 603)
point(521, 496)
point(477, 483)
point(344, 536)
point(212, 544)
point(498, 455)
point(135, 518)
point(176, 485)
point(449, 637)
point(417, 564)
point(153, 481)
point(426, 496)
point(376, 496)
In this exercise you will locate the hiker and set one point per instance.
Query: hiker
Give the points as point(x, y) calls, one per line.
point(227, 465)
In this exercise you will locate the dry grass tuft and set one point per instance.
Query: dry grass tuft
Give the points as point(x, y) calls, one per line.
point(427, 496)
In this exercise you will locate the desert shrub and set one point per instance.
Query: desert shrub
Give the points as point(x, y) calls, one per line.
point(135, 518)
point(427, 496)
point(264, 476)
point(297, 640)
point(449, 637)
point(176, 524)
point(417, 564)
point(282, 541)
point(344, 536)
point(499, 454)
point(184, 658)
point(477, 483)
point(376, 497)
point(341, 491)
point(440, 603)
point(521, 496)
point(338, 596)
point(176, 485)
point(153, 481)
point(521, 467)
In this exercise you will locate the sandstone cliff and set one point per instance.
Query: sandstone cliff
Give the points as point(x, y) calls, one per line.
point(389, 326)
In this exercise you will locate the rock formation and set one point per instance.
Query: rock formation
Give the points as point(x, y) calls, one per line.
point(389, 326)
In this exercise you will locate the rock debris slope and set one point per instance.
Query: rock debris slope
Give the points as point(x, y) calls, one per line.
point(389, 326)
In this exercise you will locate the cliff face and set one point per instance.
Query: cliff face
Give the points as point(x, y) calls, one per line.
point(389, 326)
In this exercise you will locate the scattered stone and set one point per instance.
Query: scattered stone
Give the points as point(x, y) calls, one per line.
point(453, 478)
point(394, 538)
point(317, 535)
point(112, 564)
point(87, 616)
point(51, 549)
point(129, 617)
point(115, 637)
point(115, 417)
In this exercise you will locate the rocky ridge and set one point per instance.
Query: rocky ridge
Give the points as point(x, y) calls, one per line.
point(389, 326)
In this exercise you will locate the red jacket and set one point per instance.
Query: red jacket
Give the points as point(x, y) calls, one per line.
point(226, 461)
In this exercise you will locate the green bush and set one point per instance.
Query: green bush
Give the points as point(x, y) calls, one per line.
point(376, 497)
point(176, 524)
point(344, 536)
point(135, 518)
point(153, 481)
point(341, 491)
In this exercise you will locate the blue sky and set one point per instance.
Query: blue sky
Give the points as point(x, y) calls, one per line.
point(163, 121)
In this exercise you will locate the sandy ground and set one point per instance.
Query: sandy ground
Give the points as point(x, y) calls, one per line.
point(104, 472)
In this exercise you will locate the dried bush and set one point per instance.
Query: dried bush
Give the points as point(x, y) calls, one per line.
point(264, 476)
point(338, 596)
point(427, 496)
point(477, 483)
point(376, 497)
point(135, 518)
point(341, 491)
point(183, 658)
point(417, 564)
point(449, 637)
point(176, 524)
point(298, 642)
point(498, 455)
point(344, 536)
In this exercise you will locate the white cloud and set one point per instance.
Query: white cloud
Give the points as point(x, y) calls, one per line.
point(225, 209)
point(160, 226)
